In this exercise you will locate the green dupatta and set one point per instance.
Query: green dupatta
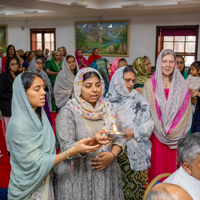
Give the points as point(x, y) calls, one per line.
point(141, 74)
point(56, 69)
point(185, 74)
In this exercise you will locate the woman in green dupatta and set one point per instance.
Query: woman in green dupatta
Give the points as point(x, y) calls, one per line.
point(142, 68)
point(53, 67)
point(181, 66)
point(32, 142)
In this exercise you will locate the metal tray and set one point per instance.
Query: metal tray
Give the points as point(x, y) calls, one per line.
point(115, 135)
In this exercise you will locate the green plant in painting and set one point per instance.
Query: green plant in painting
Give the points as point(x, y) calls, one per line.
point(80, 38)
point(3, 38)
point(124, 34)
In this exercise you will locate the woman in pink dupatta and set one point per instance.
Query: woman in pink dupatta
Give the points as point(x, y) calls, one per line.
point(114, 66)
point(169, 98)
point(82, 62)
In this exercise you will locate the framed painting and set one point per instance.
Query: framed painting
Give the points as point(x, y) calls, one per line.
point(110, 37)
point(3, 37)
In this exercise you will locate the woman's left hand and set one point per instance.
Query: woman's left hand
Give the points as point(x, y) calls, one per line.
point(129, 134)
point(102, 161)
point(193, 92)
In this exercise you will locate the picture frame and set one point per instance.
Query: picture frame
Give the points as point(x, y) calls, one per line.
point(110, 37)
point(3, 37)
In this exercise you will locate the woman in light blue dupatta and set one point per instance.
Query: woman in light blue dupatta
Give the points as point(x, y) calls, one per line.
point(134, 113)
point(32, 142)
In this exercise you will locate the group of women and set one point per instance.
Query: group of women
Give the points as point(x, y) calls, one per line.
point(153, 110)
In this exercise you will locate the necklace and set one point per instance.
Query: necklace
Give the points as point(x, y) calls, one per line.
point(166, 85)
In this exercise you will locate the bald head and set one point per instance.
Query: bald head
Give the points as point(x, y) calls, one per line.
point(168, 192)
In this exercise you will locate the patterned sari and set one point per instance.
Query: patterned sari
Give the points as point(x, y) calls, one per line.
point(134, 113)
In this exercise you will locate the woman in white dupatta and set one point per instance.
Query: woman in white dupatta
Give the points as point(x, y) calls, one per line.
point(64, 85)
point(134, 113)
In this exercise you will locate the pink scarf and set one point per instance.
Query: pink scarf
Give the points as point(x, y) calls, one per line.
point(114, 66)
point(78, 60)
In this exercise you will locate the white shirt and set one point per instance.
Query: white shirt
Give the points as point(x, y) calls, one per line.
point(186, 181)
point(193, 82)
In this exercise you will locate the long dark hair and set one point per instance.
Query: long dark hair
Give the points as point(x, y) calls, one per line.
point(182, 72)
point(9, 59)
point(70, 56)
point(27, 81)
point(9, 46)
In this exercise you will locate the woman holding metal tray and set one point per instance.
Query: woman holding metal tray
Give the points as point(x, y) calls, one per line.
point(134, 113)
point(94, 175)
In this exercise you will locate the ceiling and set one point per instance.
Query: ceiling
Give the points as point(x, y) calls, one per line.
point(41, 9)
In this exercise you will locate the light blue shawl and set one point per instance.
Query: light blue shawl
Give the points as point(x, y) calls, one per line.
point(32, 145)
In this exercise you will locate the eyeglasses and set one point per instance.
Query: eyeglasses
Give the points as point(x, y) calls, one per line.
point(39, 63)
point(14, 64)
point(180, 63)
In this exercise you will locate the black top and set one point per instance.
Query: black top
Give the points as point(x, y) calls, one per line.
point(6, 83)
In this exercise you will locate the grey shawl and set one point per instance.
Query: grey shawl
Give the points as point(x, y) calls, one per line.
point(64, 84)
point(44, 75)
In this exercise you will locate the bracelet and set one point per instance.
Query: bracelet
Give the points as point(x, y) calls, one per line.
point(91, 141)
point(113, 154)
point(67, 154)
point(61, 159)
point(70, 154)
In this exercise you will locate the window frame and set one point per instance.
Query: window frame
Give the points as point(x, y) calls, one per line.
point(43, 31)
point(159, 30)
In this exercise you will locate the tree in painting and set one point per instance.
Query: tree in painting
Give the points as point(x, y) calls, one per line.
point(80, 38)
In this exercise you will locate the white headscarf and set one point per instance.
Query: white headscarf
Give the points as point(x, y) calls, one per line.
point(64, 84)
point(133, 111)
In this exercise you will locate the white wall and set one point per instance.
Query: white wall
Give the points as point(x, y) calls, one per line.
point(142, 32)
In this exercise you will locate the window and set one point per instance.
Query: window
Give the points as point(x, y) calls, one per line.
point(183, 40)
point(42, 39)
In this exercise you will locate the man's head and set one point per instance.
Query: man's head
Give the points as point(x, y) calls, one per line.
point(189, 154)
point(166, 191)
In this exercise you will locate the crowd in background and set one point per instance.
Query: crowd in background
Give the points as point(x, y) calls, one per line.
point(154, 109)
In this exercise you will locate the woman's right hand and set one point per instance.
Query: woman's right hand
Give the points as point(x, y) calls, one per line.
point(83, 147)
point(99, 138)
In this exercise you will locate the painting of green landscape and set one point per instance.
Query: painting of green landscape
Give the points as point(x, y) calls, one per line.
point(3, 37)
point(110, 37)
